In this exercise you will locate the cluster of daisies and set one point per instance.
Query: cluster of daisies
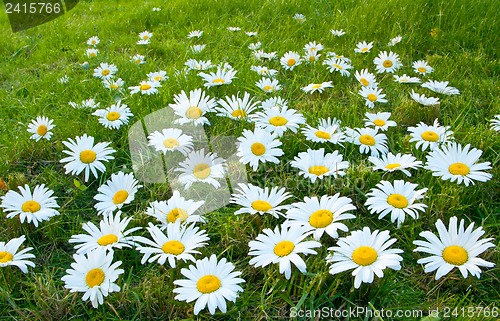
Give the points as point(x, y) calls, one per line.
point(177, 236)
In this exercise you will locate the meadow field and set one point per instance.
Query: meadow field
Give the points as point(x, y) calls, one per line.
point(52, 70)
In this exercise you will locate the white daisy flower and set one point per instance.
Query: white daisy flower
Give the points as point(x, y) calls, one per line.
point(339, 57)
point(282, 247)
point(156, 9)
point(495, 123)
point(201, 167)
point(193, 64)
point(406, 79)
point(87, 103)
point(372, 95)
point(63, 80)
point(174, 242)
point(33, 207)
point(366, 78)
point(398, 199)
point(430, 136)
point(114, 116)
point(86, 157)
point(118, 190)
point(170, 140)
point(258, 146)
point(210, 283)
point(254, 45)
point(421, 67)
point(369, 141)
point(423, 100)
point(93, 41)
point(9, 254)
point(146, 87)
point(311, 57)
point(391, 163)
point(313, 47)
point(395, 41)
point(138, 59)
point(105, 71)
point(311, 88)
point(300, 18)
point(321, 215)
point(41, 128)
point(456, 163)
point(315, 164)
point(193, 109)
point(95, 274)
point(177, 208)
point(255, 199)
point(111, 234)
point(251, 33)
point(387, 62)
point(379, 120)
point(338, 32)
point(195, 34)
point(264, 71)
point(143, 42)
point(455, 247)
point(274, 102)
point(290, 60)
point(266, 56)
point(233, 28)
point(237, 108)
point(114, 84)
point(91, 52)
point(197, 48)
point(440, 87)
point(363, 47)
point(367, 253)
point(268, 85)
point(327, 131)
point(158, 76)
point(339, 65)
point(218, 78)
point(278, 120)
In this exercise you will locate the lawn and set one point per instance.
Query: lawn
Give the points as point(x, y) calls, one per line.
point(459, 39)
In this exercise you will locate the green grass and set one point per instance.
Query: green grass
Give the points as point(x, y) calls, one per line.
point(465, 52)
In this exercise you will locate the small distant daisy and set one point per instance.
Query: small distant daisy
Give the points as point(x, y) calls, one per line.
point(268, 85)
point(282, 247)
point(340, 57)
point(406, 79)
point(146, 87)
point(379, 121)
point(193, 108)
point(278, 120)
point(258, 146)
point(338, 65)
point(290, 60)
point(395, 41)
point(233, 28)
point(369, 141)
point(363, 47)
point(441, 87)
point(430, 136)
point(145, 37)
point(372, 95)
point(387, 62)
point(455, 247)
point(218, 78)
point(235, 107)
point(193, 64)
point(398, 199)
point(158, 76)
point(118, 190)
point(311, 57)
point(95, 274)
point(254, 45)
point(105, 71)
point(113, 84)
point(456, 163)
point(300, 18)
point(321, 215)
point(195, 34)
point(421, 67)
point(315, 164)
point(338, 33)
point(91, 52)
point(41, 128)
point(266, 56)
point(156, 9)
point(255, 199)
point(201, 167)
point(63, 80)
point(264, 71)
point(366, 78)
point(311, 88)
point(86, 157)
point(138, 59)
point(251, 33)
point(176, 208)
point(367, 253)
point(391, 163)
point(93, 41)
point(111, 234)
point(87, 103)
point(170, 140)
point(114, 116)
point(9, 254)
point(197, 48)
point(33, 207)
point(210, 283)
point(326, 131)
point(423, 100)
point(495, 123)
point(313, 47)
point(174, 242)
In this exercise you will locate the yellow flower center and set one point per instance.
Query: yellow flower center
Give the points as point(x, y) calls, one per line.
point(218, 81)
point(278, 121)
point(268, 88)
point(318, 170)
point(31, 206)
point(258, 149)
point(311, 58)
point(291, 62)
point(145, 37)
point(193, 112)
point(94, 277)
point(364, 255)
point(177, 213)
point(208, 284)
point(422, 70)
point(459, 169)
point(364, 82)
point(173, 247)
point(455, 255)
point(112, 116)
point(397, 200)
point(283, 248)
point(430, 136)
point(87, 156)
point(372, 97)
point(5, 257)
point(392, 166)
point(379, 122)
point(41, 130)
point(93, 42)
point(105, 72)
point(367, 140)
point(322, 134)
point(321, 218)
point(170, 143)
point(261, 206)
point(107, 239)
point(387, 63)
point(365, 49)
point(201, 171)
point(138, 61)
point(92, 54)
point(120, 196)
point(158, 78)
point(316, 86)
point(144, 87)
point(239, 113)
point(114, 86)
point(338, 66)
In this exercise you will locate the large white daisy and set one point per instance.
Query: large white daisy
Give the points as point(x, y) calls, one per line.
point(424, 100)
point(440, 87)
point(201, 167)
point(369, 141)
point(387, 62)
point(258, 146)
point(338, 65)
point(430, 136)
point(372, 95)
point(255, 199)
point(235, 107)
point(391, 162)
point(41, 128)
point(278, 120)
point(328, 130)
point(366, 78)
point(170, 140)
point(192, 109)
point(379, 120)
point(290, 60)
point(114, 116)
point(118, 190)
point(221, 77)
point(315, 164)
point(9, 254)
point(176, 208)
